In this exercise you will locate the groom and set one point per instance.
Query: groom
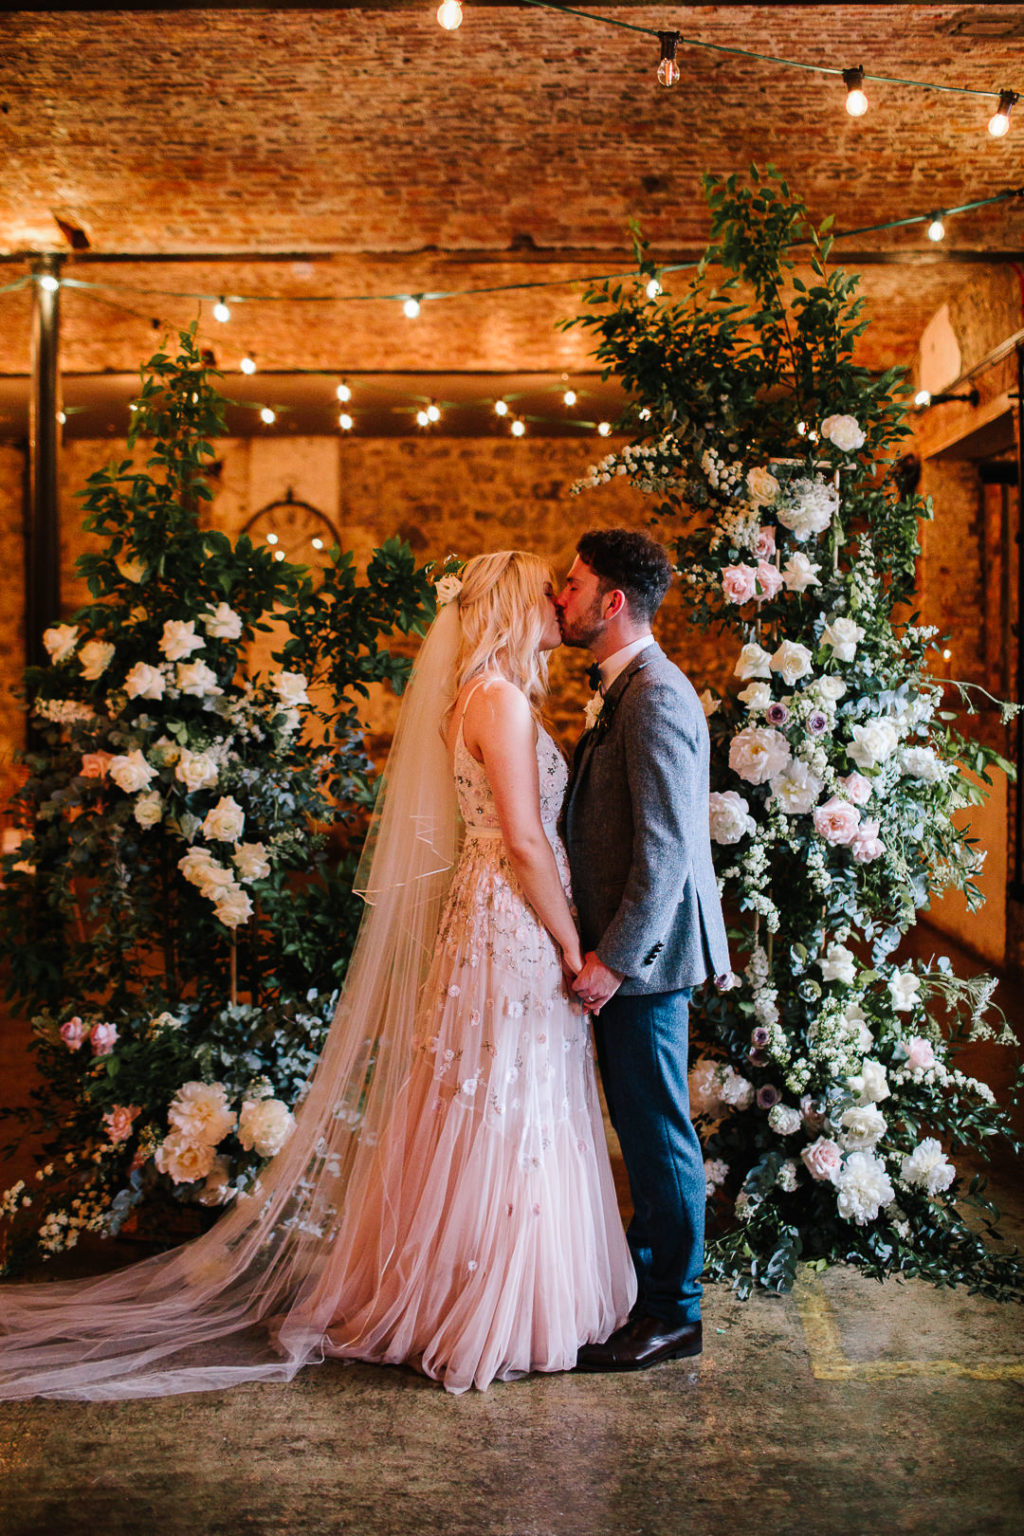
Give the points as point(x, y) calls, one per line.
point(651, 923)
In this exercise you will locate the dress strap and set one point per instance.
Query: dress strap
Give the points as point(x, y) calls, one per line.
point(465, 705)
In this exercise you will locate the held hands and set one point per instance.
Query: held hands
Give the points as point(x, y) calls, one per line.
point(596, 983)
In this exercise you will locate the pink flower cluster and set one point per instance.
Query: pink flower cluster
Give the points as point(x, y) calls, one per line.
point(740, 583)
point(118, 1121)
point(102, 1036)
point(839, 823)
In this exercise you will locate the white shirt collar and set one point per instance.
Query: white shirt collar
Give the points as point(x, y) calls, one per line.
point(620, 660)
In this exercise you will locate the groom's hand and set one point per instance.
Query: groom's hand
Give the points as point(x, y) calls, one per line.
point(596, 983)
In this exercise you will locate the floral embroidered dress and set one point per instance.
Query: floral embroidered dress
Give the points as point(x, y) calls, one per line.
point(486, 1241)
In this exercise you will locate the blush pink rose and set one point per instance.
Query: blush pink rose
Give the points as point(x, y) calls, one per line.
point(95, 765)
point(73, 1033)
point(867, 845)
point(837, 821)
point(769, 580)
point(118, 1121)
point(103, 1037)
point(765, 546)
point(920, 1053)
point(856, 788)
point(739, 583)
point(822, 1159)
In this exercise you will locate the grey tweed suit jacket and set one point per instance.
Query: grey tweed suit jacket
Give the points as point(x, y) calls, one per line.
point(636, 830)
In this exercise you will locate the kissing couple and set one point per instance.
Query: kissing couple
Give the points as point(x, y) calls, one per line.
point(446, 1200)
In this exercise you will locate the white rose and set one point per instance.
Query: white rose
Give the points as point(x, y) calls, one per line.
point(864, 1188)
point(796, 789)
point(198, 680)
point(709, 704)
point(920, 763)
point(196, 770)
point(148, 809)
point(839, 964)
point(95, 657)
point(264, 1126)
point(251, 861)
point(222, 622)
point(730, 817)
point(131, 772)
point(233, 907)
point(758, 753)
point(904, 987)
point(762, 487)
point(863, 1125)
point(201, 1112)
point(60, 641)
point(873, 743)
point(831, 688)
point(290, 687)
point(179, 639)
point(792, 661)
point(144, 682)
point(756, 696)
point(843, 635)
point(799, 573)
point(870, 1084)
point(224, 824)
point(200, 868)
point(928, 1166)
point(185, 1161)
point(753, 662)
point(844, 431)
point(784, 1120)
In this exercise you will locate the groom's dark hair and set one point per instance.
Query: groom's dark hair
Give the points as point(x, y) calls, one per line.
point(632, 563)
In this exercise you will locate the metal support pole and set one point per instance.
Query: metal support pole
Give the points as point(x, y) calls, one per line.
point(42, 522)
point(1017, 881)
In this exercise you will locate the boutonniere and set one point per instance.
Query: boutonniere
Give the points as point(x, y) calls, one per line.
point(592, 711)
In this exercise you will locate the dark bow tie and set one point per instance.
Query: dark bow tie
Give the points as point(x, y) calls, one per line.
point(594, 675)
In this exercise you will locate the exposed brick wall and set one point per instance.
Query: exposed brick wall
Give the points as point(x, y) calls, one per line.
point(12, 605)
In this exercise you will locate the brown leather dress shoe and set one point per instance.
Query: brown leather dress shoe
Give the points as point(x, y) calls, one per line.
point(641, 1342)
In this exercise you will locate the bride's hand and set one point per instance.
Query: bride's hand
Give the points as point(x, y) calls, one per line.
point(572, 964)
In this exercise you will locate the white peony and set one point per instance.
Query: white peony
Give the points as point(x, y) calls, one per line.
point(904, 988)
point(196, 770)
point(843, 635)
point(873, 743)
point(225, 823)
point(131, 772)
point(796, 789)
point(808, 507)
point(762, 487)
point(95, 657)
point(222, 622)
point(799, 573)
point(730, 817)
point(917, 763)
point(863, 1125)
point(144, 682)
point(250, 860)
point(784, 1119)
point(290, 688)
point(148, 809)
point(928, 1166)
point(198, 680)
point(756, 696)
point(753, 662)
point(870, 1085)
point(758, 753)
point(179, 639)
point(233, 907)
point(864, 1188)
point(201, 1112)
point(60, 641)
point(792, 661)
point(844, 431)
point(264, 1126)
point(185, 1161)
point(839, 964)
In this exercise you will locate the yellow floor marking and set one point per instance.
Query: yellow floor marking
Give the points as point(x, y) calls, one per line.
point(829, 1363)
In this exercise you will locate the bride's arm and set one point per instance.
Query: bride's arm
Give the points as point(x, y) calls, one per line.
point(500, 729)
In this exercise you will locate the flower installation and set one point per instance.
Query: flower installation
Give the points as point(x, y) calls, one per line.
point(179, 913)
point(837, 1124)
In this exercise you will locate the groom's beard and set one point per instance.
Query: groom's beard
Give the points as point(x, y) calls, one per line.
point(583, 631)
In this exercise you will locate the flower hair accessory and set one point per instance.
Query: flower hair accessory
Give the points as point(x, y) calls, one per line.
point(447, 589)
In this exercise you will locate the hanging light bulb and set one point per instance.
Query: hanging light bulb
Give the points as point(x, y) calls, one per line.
point(500, 408)
point(668, 69)
point(923, 399)
point(267, 415)
point(343, 393)
point(604, 429)
point(449, 15)
point(317, 543)
point(278, 554)
point(422, 419)
point(645, 413)
point(48, 283)
point(433, 411)
point(346, 422)
point(61, 417)
point(936, 229)
point(411, 308)
point(247, 365)
point(518, 428)
point(653, 288)
point(570, 397)
point(272, 538)
point(221, 311)
point(999, 122)
point(856, 101)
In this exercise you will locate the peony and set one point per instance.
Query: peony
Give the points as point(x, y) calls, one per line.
point(250, 860)
point(225, 822)
point(856, 788)
point(921, 763)
point(290, 687)
point(867, 845)
point(839, 964)
point(95, 765)
point(119, 1120)
point(95, 657)
point(792, 661)
point(74, 1033)
point(757, 753)
point(844, 431)
point(198, 680)
point(183, 1160)
point(218, 1189)
point(870, 1085)
point(920, 1053)
point(222, 622)
point(762, 487)
point(703, 1085)
point(735, 1090)
point(769, 582)
point(862, 1126)
point(753, 662)
point(928, 1166)
point(784, 1120)
point(264, 1126)
point(808, 508)
point(799, 573)
point(144, 682)
point(60, 641)
point(179, 639)
point(730, 817)
point(148, 809)
point(904, 987)
point(837, 821)
point(739, 583)
point(873, 743)
point(822, 1159)
point(843, 635)
point(196, 770)
point(796, 789)
point(864, 1188)
point(131, 772)
point(756, 696)
point(233, 907)
point(103, 1038)
point(201, 1112)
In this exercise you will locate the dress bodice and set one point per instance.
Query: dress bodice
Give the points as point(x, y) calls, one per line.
point(476, 802)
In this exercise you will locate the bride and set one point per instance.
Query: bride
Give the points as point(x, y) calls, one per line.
point(446, 1200)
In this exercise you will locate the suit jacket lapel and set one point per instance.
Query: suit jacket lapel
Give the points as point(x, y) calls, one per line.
point(585, 746)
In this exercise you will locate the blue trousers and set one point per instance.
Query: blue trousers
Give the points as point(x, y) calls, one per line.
point(642, 1050)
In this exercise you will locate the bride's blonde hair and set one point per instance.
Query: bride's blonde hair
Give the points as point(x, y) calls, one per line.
point(501, 612)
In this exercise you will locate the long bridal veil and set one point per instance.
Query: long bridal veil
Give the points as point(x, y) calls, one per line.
point(241, 1303)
